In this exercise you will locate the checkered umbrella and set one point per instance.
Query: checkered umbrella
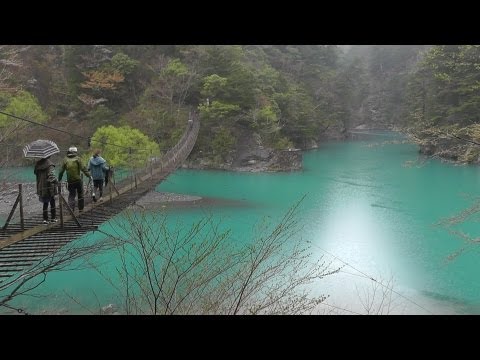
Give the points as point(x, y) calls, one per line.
point(40, 149)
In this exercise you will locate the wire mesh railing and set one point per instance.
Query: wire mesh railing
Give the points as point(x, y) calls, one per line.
point(154, 169)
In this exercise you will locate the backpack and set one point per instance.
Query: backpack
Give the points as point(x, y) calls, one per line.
point(72, 168)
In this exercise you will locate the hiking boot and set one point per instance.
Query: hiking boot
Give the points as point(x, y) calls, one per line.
point(101, 199)
point(53, 220)
point(45, 222)
point(94, 198)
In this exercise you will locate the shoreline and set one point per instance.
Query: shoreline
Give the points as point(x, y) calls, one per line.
point(154, 200)
point(151, 201)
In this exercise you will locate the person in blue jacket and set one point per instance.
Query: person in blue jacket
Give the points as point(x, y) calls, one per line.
point(98, 168)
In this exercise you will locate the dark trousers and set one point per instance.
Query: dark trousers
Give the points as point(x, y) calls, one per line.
point(98, 184)
point(74, 189)
point(52, 209)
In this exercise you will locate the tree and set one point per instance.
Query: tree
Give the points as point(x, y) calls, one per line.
point(133, 150)
point(99, 80)
point(199, 271)
point(25, 105)
point(218, 111)
point(222, 142)
point(9, 62)
point(173, 83)
point(213, 86)
point(22, 104)
point(123, 63)
point(443, 102)
point(164, 105)
point(72, 57)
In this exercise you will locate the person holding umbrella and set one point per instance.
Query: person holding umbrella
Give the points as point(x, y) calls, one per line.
point(46, 183)
point(72, 165)
point(45, 172)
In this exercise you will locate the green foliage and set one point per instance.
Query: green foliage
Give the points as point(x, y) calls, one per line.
point(240, 85)
point(268, 115)
point(171, 86)
point(268, 80)
point(282, 143)
point(25, 105)
point(445, 88)
point(123, 63)
point(142, 147)
point(175, 68)
point(288, 94)
point(219, 59)
point(72, 56)
point(218, 111)
point(222, 142)
point(301, 121)
point(213, 86)
point(373, 81)
point(265, 120)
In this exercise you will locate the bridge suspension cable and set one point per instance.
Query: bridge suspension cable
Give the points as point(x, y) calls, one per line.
point(129, 148)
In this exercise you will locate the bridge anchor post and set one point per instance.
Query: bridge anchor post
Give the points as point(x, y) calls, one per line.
point(20, 195)
point(11, 212)
point(60, 204)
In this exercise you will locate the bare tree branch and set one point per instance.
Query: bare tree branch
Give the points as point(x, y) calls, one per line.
point(200, 270)
point(65, 259)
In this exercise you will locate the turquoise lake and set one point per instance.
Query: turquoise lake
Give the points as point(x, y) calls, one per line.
point(369, 205)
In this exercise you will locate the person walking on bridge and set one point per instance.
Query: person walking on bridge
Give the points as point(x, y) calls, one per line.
point(72, 165)
point(97, 166)
point(46, 184)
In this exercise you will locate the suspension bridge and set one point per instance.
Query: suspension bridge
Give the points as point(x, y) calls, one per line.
point(27, 241)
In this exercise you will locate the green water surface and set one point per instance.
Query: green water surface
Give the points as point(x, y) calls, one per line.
point(366, 206)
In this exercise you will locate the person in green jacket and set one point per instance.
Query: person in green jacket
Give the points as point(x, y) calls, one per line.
point(46, 182)
point(72, 165)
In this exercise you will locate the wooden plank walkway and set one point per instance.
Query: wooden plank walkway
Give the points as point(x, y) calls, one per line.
point(22, 249)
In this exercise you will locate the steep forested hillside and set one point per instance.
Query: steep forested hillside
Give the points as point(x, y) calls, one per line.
point(444, 102)
point(280, 96)
point(254, 100)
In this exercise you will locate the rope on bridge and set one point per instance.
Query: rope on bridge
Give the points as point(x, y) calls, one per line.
point(129, 190)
